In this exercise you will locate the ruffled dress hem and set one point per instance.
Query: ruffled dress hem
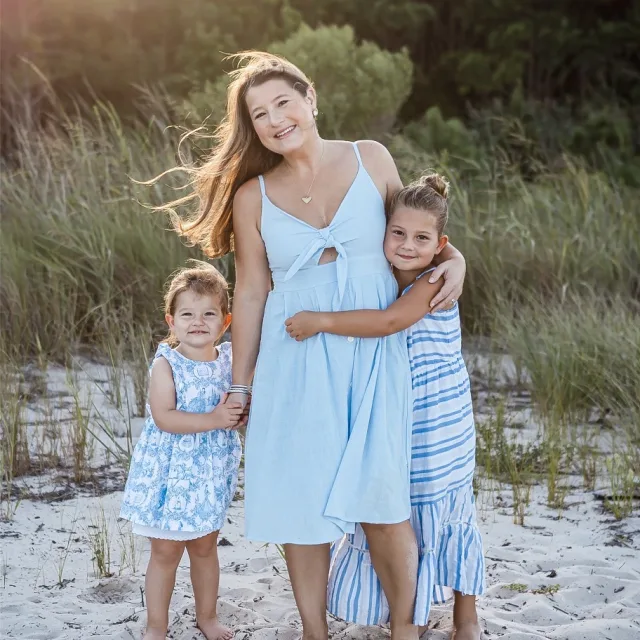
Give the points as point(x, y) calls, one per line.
point(167, 534)
point(450, 555)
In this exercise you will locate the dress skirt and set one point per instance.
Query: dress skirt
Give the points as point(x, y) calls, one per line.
point(329, 436)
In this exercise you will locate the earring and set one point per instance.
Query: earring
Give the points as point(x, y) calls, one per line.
point(315, 113)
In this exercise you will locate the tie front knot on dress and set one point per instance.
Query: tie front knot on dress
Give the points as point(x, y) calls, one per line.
point(314, 250)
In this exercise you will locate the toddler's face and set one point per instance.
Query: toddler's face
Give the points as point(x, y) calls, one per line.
point(412, 239)
point(198, 321)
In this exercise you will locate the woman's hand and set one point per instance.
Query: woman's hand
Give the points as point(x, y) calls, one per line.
point(303, 325)
point(237, 398)
point(453, 272)
point(244, 420)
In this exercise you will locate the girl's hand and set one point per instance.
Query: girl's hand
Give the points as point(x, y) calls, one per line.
point(228, 413)
point(303, 325)
point(453, 272)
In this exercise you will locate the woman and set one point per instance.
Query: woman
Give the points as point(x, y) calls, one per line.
point(328, 437)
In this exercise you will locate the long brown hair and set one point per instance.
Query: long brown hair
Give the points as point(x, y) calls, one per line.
point(237, 156)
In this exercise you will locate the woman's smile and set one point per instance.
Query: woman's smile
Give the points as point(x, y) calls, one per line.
point(285, 132)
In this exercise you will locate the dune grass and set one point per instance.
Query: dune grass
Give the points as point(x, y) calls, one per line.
point(80, 256)
point(553, 277)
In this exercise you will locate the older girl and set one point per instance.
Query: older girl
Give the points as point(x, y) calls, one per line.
point(328, 437)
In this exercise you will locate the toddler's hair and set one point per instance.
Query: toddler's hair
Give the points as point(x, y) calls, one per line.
point(429, 193)
point(204, 280)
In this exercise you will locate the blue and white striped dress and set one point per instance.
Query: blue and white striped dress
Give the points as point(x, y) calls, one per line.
point(442, 502)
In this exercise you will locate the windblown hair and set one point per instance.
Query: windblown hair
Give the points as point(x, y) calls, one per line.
point(238, 155)
point(429, 193)
point(204, 280)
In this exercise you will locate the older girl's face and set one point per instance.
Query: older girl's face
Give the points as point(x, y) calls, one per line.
point(282, 117)
point(412, 239)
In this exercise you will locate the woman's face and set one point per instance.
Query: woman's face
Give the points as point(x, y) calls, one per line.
point(281, 116)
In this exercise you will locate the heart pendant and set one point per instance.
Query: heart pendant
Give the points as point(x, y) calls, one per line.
point(306, 199)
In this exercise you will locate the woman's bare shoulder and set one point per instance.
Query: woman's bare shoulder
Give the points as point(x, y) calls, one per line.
point(380, 166)
point(248, 196)
point(374, 151)
point(377, 159)
point(248, 193)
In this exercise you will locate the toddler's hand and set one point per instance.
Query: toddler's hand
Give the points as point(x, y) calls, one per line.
point(227, 414)
point(303, 325)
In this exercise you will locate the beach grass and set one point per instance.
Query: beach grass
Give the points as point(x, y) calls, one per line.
point(553, 279)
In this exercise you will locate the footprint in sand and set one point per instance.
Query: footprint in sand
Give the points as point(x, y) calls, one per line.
point(258, 565)
point(114, 591)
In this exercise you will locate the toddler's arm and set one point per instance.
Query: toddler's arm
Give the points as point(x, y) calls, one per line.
point(162, 400)
point(368, 323)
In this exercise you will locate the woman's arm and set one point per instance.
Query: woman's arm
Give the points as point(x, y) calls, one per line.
point(253, 283)
point(368, 323)
point(162, 401)
point(452, 267)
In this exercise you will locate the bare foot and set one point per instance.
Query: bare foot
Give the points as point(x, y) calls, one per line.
point(467, 631)
point(422, 631)
point(213, 630)
point(154, 634)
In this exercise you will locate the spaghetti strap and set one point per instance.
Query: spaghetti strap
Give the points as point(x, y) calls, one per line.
point(424, 273)
point(355, 148)
point(262, 189)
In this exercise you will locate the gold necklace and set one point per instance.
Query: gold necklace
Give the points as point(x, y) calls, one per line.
point(307, 199)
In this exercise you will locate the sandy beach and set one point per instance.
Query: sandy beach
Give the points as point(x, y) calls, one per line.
point(570, 574)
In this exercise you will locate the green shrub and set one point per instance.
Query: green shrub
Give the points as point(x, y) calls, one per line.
point(439, 135)
point(534, 135)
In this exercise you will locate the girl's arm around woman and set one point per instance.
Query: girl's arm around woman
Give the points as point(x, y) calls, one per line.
point(368, 323)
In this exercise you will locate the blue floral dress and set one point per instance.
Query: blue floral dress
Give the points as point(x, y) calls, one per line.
point(180, 486)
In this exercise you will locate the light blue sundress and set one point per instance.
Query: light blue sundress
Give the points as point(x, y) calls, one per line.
point(328, 439)
point(442, 502)
point(180, 486)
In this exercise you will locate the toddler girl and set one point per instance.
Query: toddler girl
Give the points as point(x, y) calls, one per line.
point(443, 434)
point(184, 468)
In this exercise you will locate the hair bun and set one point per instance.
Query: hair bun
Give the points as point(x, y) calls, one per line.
point(437, 182)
